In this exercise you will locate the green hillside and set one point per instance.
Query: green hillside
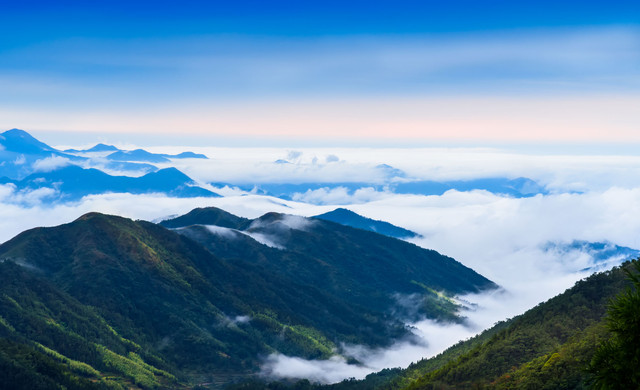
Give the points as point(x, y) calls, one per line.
point(108, 302)
point(549, 347)
point(360, 267)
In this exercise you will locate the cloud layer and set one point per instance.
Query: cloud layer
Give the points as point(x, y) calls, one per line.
point(592, 198)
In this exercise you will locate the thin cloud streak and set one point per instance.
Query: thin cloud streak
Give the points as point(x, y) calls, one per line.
point(587, 119)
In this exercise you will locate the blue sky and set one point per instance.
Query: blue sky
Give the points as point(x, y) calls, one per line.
point(278, 69)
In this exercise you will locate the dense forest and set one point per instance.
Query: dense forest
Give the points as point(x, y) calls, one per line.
point(587, 337)
point(107, 302)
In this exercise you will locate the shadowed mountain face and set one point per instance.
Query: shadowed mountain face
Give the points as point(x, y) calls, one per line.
point(359, 266)
point(349, 218)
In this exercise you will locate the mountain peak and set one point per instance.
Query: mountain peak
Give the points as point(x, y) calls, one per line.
point(96, 216)
point(207, 216)
point(19, 141)
point(137, 155)
point(350, 218)
point(171, 173)
point(271, 217)
point(103, 148)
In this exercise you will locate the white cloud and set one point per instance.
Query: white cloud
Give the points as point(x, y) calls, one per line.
point(339, 196)
point(500, 237)
point(222, 231)
point(265, 239)
point(296, 222)
point(332, 370)
point(49, 164)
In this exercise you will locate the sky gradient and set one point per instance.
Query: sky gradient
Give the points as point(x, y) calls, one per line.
point(465, 71)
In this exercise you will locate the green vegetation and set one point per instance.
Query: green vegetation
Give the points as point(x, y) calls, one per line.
point(549, 347)
point(109, 303)
point(74, 365)
point(361, 268)
point(113, 302)
point(134, 368)
point(616, 363)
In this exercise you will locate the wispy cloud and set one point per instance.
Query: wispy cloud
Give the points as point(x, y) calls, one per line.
point(543, 60)
point(49, 164)
point(545, 85)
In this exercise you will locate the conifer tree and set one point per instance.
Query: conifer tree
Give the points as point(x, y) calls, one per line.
point(616, 363)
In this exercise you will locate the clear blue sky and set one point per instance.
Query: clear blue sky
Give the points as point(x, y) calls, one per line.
point(97, 66)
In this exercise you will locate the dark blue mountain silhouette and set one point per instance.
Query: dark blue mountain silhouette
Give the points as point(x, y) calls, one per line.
point(137, 155)
point(186, 155)
point(144, 156)
point(98, 148)
point(19, 141)
point(518, 188)
point(349, 218)
point(73, 182)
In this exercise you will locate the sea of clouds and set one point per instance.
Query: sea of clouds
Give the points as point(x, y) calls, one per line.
point(591, 198)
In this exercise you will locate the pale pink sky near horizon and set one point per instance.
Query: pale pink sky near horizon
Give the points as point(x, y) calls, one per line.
point(557, 119)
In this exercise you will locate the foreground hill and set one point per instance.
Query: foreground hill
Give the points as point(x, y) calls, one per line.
point(360, 267)
point(548, 347)
point(107, 302)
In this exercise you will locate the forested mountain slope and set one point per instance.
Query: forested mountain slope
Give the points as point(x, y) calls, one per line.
point(360, 267)
point(106, 301)
point(548, 347)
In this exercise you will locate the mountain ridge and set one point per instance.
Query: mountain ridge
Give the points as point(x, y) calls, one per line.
point(178, 309)
point(349, 218)
point(353, 263)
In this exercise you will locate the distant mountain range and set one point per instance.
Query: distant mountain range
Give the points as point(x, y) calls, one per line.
point(22, 155)
point(73, 182)
point(604, 255)
point(30, 165)
point(105, 301)
point(98, 148)
point(517, 188)
point(139, 155)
